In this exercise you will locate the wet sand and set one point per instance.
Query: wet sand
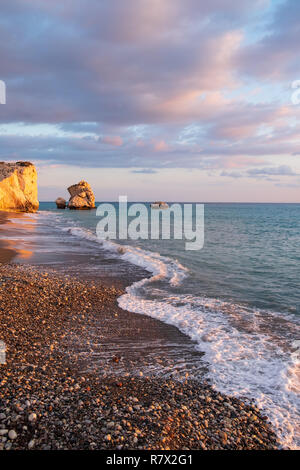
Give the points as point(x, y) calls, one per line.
point(6, 254)
point(9, 229)
point(163, 348)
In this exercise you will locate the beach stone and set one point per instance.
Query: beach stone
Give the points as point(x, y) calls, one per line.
point(32, 417)
point(31, 444)
point(12, 434)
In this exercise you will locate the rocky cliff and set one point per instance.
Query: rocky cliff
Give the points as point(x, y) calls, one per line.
point(82, 196)
point(18, 187)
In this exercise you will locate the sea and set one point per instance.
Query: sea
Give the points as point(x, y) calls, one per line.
point(237, 298)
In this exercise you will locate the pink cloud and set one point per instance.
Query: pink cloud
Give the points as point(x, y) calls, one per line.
point(160, 146)
point(116, 141)
point(241, 162)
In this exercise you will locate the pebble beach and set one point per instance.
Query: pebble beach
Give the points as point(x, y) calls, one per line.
point(49, 400)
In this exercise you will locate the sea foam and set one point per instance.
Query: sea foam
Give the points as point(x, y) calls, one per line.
point(246, 356)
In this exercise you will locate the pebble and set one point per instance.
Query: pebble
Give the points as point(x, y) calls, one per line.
point(31, 444)
point(32, 417)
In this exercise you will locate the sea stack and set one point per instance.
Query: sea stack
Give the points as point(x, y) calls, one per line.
point(159, 205)
point(82, 196)
point(18, 187)
point(61, 203)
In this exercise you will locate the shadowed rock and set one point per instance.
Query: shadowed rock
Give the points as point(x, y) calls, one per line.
point(61, 203)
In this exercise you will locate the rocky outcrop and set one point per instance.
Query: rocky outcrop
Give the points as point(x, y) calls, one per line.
point(18, 187)
point(159, 205)
point(82, 196)
point(61, 203)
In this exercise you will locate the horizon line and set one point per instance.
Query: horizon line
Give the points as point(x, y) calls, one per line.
point(195, 202)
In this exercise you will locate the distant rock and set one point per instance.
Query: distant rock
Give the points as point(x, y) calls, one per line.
point(18, 187)
point(61, 203)
point(159, 205)
point(82, 196)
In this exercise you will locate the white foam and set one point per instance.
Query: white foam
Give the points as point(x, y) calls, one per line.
point(243, 361)
point(246, 356)
point(161, 267)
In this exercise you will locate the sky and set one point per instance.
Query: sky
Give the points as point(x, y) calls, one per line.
point(154, 99)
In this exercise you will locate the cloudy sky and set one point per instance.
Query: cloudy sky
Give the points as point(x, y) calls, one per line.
point(156, 99)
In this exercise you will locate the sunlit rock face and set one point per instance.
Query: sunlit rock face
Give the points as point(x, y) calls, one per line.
point(18, 187)
point(82, 196)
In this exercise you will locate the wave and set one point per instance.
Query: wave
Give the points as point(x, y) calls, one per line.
point(244, 360)
point(161, 267)
point(250, 353)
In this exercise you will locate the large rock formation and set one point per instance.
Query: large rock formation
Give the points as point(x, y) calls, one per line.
point(82, 196)
point(18, 187)
point(61, 203)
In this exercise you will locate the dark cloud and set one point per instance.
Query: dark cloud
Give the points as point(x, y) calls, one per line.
point(115, 61)
point(266, 172)
point(283, 170)
point(276, 55)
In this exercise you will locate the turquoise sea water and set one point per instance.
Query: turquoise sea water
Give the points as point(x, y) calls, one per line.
point(238, 298)
point(251, 253)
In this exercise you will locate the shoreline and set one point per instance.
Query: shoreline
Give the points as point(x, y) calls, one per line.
point(52, 400)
